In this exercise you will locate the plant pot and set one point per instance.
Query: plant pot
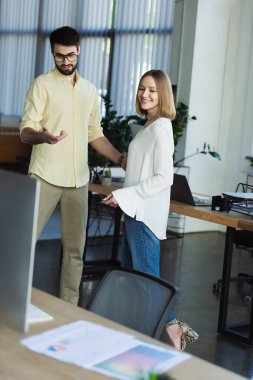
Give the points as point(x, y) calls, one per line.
point(106, 181)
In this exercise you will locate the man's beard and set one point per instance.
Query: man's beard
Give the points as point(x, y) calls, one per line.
point(69, 71)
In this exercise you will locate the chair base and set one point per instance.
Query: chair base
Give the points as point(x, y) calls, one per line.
point(241, 278)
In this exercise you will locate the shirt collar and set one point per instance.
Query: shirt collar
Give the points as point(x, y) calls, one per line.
point(62, 77)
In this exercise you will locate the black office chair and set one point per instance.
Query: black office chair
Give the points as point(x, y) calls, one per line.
point(242, 240)
point(101, 217)
point(134, 299)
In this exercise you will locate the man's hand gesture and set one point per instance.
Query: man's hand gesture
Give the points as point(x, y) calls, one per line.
point(48, 138)
point(30, 136)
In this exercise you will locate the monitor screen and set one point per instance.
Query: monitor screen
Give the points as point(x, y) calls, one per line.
point(19, 200)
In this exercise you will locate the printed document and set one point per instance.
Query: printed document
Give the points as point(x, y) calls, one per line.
point(104, 350)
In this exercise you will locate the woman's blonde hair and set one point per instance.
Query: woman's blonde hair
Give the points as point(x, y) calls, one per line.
point(166, 106)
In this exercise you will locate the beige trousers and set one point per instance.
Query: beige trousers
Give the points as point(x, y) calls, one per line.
point(73, 213)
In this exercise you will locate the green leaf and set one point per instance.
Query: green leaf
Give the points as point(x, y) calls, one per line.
point(215, 155)
point(116, 128)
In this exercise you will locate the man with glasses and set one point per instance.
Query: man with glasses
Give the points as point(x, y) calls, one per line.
point(61, 116)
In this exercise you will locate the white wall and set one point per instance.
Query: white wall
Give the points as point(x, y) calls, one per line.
point(217, 78)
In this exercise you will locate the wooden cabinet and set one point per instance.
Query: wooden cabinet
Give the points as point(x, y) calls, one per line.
point(14, 154)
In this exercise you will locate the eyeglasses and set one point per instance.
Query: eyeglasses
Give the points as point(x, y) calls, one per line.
point(71, 57)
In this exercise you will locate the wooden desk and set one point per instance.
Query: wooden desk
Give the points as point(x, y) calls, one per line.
point(232, 221)
point(11, 147)
point(19, 363)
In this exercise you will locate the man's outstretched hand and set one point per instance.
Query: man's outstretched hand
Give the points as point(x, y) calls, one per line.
point(48, 138)
point(30, 136)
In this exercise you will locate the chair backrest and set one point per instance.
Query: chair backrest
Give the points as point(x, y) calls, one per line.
point(134, 299)
point(243, 237)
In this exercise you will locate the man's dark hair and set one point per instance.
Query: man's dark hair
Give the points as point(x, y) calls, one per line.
point(65, 35)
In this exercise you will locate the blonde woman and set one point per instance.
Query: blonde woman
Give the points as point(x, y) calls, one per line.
point(145, 196)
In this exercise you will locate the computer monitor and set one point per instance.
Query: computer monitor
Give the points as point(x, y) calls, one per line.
point(19, 200)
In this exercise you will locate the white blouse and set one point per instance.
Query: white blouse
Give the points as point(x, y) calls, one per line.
point(149, 176)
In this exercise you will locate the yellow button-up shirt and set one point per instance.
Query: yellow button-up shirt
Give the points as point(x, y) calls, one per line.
point(53, 102)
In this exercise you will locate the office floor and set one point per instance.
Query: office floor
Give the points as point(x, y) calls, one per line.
point(193, 263)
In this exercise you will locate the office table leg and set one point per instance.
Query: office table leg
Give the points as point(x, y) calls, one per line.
point(232, 331)
point(227, 263)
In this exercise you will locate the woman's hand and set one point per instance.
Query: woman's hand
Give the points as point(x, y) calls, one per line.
point(109, 200)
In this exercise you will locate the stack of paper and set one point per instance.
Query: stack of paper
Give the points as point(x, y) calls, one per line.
point(244, 196)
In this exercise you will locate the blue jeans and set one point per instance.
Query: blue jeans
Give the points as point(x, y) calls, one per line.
point(141, 250)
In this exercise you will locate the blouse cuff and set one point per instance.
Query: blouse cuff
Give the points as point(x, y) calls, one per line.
point(128, 200)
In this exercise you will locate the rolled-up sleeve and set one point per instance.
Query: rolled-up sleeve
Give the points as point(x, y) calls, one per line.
point(34, 107)
point(95, 131)
point(54, 103)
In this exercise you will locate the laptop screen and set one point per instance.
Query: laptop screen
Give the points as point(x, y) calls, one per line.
point(19, 199)
point(180, 190)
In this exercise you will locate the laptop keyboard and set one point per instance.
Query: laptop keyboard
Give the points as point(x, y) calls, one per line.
point(202, 200)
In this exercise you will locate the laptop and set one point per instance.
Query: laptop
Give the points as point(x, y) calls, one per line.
point(19, 200)
point(181, 192)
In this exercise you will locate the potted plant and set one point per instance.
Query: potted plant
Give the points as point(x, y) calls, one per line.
point(179, 124)
point(156, 376)
point(205, 150)
point(250, 158)
point(107, 178)
point(116, 129)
